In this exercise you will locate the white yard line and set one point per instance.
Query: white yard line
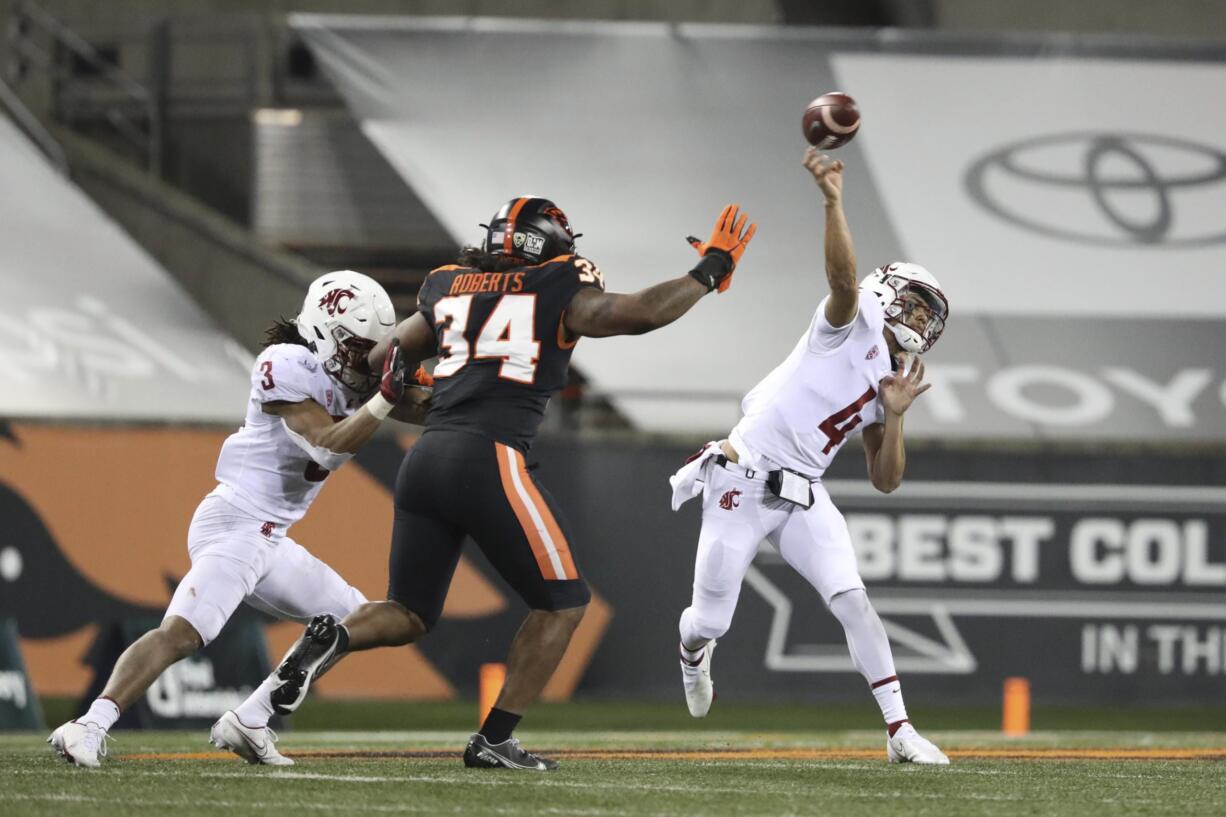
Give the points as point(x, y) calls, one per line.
point(373, 808)
point(846, 794)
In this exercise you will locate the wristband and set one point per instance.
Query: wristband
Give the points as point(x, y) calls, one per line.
point(378, 406)
point(713, 267)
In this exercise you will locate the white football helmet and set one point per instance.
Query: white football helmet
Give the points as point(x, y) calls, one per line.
point(899, 288)
point(344, 314)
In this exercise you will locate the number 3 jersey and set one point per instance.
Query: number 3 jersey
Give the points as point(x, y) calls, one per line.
point(261, 470)
point(825, 391)
point(502, 348)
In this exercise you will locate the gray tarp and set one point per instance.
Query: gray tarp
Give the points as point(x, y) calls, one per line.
point(1071, 205)
point(94, 328)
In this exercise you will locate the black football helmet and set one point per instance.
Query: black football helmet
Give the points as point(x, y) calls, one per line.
point(531, 228)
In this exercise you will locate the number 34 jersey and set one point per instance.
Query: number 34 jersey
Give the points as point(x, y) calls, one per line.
point(502, 348)
point(800, 415)
point(261, 470)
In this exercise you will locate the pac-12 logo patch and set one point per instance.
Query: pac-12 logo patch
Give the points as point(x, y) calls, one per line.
point(872, 353)
point(730, 500)
point(530, 243)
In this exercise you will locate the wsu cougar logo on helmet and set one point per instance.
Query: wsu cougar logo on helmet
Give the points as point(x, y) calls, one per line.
point(343, 314)
point(337, 301)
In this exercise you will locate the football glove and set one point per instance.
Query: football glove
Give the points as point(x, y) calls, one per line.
point(391, 385)
point(723, 250)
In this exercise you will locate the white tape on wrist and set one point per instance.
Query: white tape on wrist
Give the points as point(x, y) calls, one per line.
point(378, 406)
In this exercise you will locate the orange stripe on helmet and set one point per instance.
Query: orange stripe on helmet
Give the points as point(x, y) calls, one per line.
point(549, 546)
point(509, 227)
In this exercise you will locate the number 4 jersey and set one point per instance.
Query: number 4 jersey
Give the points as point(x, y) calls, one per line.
point(261, 470)
point(502, 348)
point(826, 390)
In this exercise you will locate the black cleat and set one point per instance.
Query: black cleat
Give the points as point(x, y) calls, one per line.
point(309, 658)
point(481, 754)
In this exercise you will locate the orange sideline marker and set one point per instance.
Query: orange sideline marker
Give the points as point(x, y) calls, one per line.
point(489, 685)
point(1016, 719)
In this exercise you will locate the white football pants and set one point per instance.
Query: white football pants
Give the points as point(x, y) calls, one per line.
point(237, 557)
point(738, 513)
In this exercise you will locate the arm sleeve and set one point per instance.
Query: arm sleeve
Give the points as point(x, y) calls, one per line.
point(826, 338)
point(284, 373)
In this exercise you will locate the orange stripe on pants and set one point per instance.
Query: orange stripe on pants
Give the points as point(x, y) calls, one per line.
point(555, 530)
point(549, 545)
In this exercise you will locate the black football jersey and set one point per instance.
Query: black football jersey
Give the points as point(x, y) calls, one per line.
point(502, 348)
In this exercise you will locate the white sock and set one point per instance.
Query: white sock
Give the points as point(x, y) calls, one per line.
point(103, 711)
point(257, 709)
point(889, 698)
point(693, 656)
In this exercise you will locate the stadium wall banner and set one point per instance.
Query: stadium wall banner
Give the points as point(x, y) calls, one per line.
point(99, 517)
point(19, 706)
point(1044, 229)
point(1100, 577)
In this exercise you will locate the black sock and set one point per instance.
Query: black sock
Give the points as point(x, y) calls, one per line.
point(342, 639)
point(499, 725)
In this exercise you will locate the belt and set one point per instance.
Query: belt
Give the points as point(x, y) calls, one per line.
point(728, 465)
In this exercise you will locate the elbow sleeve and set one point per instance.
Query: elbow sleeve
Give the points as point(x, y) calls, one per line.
point(325, 458)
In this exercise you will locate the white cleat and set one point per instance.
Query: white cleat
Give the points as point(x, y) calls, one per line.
point(909, 746)
point(696, 678)
point(254, 745)
point(81, 744)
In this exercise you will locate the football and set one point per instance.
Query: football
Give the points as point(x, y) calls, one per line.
point(831, 120)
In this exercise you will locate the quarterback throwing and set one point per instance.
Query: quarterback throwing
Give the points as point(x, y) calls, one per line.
point(856, 368)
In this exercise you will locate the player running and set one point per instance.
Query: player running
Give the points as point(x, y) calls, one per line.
point(314, 402)
point(847, 372)
point(504, 322)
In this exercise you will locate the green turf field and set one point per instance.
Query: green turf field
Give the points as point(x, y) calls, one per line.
point(624, 772)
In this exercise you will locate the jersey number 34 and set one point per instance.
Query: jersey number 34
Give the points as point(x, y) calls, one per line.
point(508, 334)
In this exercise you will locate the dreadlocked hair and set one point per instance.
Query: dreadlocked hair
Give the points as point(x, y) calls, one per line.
point(283, 330)
point(478, 259)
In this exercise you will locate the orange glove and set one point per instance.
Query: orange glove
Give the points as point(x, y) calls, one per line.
point(730, 237)
point(423, 378)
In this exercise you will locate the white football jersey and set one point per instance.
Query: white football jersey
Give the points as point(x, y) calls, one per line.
point(800, 415)
point(260, 469)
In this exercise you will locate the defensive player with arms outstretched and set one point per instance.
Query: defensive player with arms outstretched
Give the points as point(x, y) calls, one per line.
point(313, 403)
point(503, 322)
point(847, 372)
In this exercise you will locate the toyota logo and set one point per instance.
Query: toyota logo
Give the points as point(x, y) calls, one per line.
point(1107, 189)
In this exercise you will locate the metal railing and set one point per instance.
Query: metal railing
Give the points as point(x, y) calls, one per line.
point(83, 82)
point(33, 128)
